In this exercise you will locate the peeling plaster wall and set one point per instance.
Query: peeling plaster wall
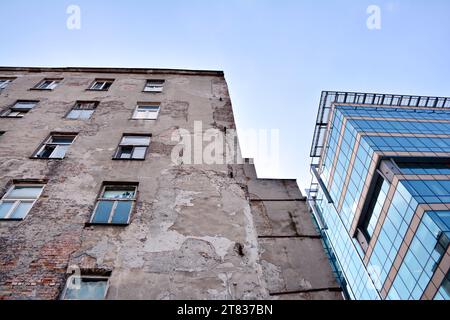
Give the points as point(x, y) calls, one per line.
point(294, 264)
point(195, 232)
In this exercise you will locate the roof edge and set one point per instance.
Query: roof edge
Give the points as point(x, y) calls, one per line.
point(218, 73)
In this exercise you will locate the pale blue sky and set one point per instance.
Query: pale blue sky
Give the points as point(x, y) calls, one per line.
point(278, 55)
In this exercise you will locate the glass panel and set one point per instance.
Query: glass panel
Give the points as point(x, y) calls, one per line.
point(44, 84)
point(24, 105)
point(74, 114)
point(59, 152)
point(154, 85)
point(4, 83)
point(4, 208)
point(53, 85)
point(90, 289)
point(46, 152)
point(22, 210)
point(86, 114)
point(119, 192)
point(24, 192)
point(98, 86)
point(103, 212)
point(122, 212)
point(139, 152)
point(85, 105)
point(11, 113)
point(125, 152)
point(62, 139)
point(135, 140)
point(155, 82)
point(140, 115)
point(148, 108)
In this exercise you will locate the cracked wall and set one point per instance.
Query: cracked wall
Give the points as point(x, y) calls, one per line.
point(195, 232)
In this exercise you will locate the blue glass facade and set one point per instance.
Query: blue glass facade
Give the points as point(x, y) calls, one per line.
point(381, 170)
point(426, 251)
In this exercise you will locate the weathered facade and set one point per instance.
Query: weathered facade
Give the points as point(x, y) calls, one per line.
point(194, 231)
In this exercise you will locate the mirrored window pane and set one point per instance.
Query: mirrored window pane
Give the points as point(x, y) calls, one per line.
point(103, 212)
point(89, 289)
point(135, 140)
point(117, 193)
point(24, 192)
point(5, 207)
point(62, 139)
point(122, 212)
point(22, 210)
point(59, 152)
point(74, 114)
point(139, 152)
point(26, 105)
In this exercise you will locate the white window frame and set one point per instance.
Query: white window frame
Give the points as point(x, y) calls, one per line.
point(17, 202)
point(77, 107)
point(4, 83)
point(48, 142)
point(134, 146)
point(149, 115)
point(115, 203)
point(51, 86)
point(104, 82)
point(63, 295)
point(154, 85)
point(14, 112)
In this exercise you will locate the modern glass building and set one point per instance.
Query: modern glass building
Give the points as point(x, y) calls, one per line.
point(381, 193)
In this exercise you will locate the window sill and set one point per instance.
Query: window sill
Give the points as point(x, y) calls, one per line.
point(91, 224)
point(6, 117)
point(117, 159)
point(37, 89)
point(97, 90)
point(37, 158)
point(11, 220)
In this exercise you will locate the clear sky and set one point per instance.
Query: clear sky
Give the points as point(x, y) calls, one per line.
point(278, 55)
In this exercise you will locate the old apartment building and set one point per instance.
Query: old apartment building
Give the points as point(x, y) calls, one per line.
point(93, 207)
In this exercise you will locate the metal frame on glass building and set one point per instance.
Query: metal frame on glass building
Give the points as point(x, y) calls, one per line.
point(381, 193)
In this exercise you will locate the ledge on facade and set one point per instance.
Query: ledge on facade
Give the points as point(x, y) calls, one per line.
point(113, 70)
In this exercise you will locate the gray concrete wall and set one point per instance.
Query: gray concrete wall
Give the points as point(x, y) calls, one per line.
point(290, 248)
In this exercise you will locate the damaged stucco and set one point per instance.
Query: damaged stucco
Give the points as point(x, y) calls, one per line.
point(196, 232)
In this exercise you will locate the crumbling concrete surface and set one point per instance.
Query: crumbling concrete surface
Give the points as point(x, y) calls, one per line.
point(196, 232)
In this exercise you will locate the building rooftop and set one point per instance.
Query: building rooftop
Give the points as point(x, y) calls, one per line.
point(328, 98)
point(113, 70)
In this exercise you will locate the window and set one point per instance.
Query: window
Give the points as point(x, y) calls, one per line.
point(56, 146)
point(82, 110)
point(146, 112)
point(48, 84)
point(86, 288)
point(19, 200)
point(4, 83)
point(115, 204)
point(372, 212)
point(19, 109)
point(133, 147)
point(154, 86)
point(101, 85)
